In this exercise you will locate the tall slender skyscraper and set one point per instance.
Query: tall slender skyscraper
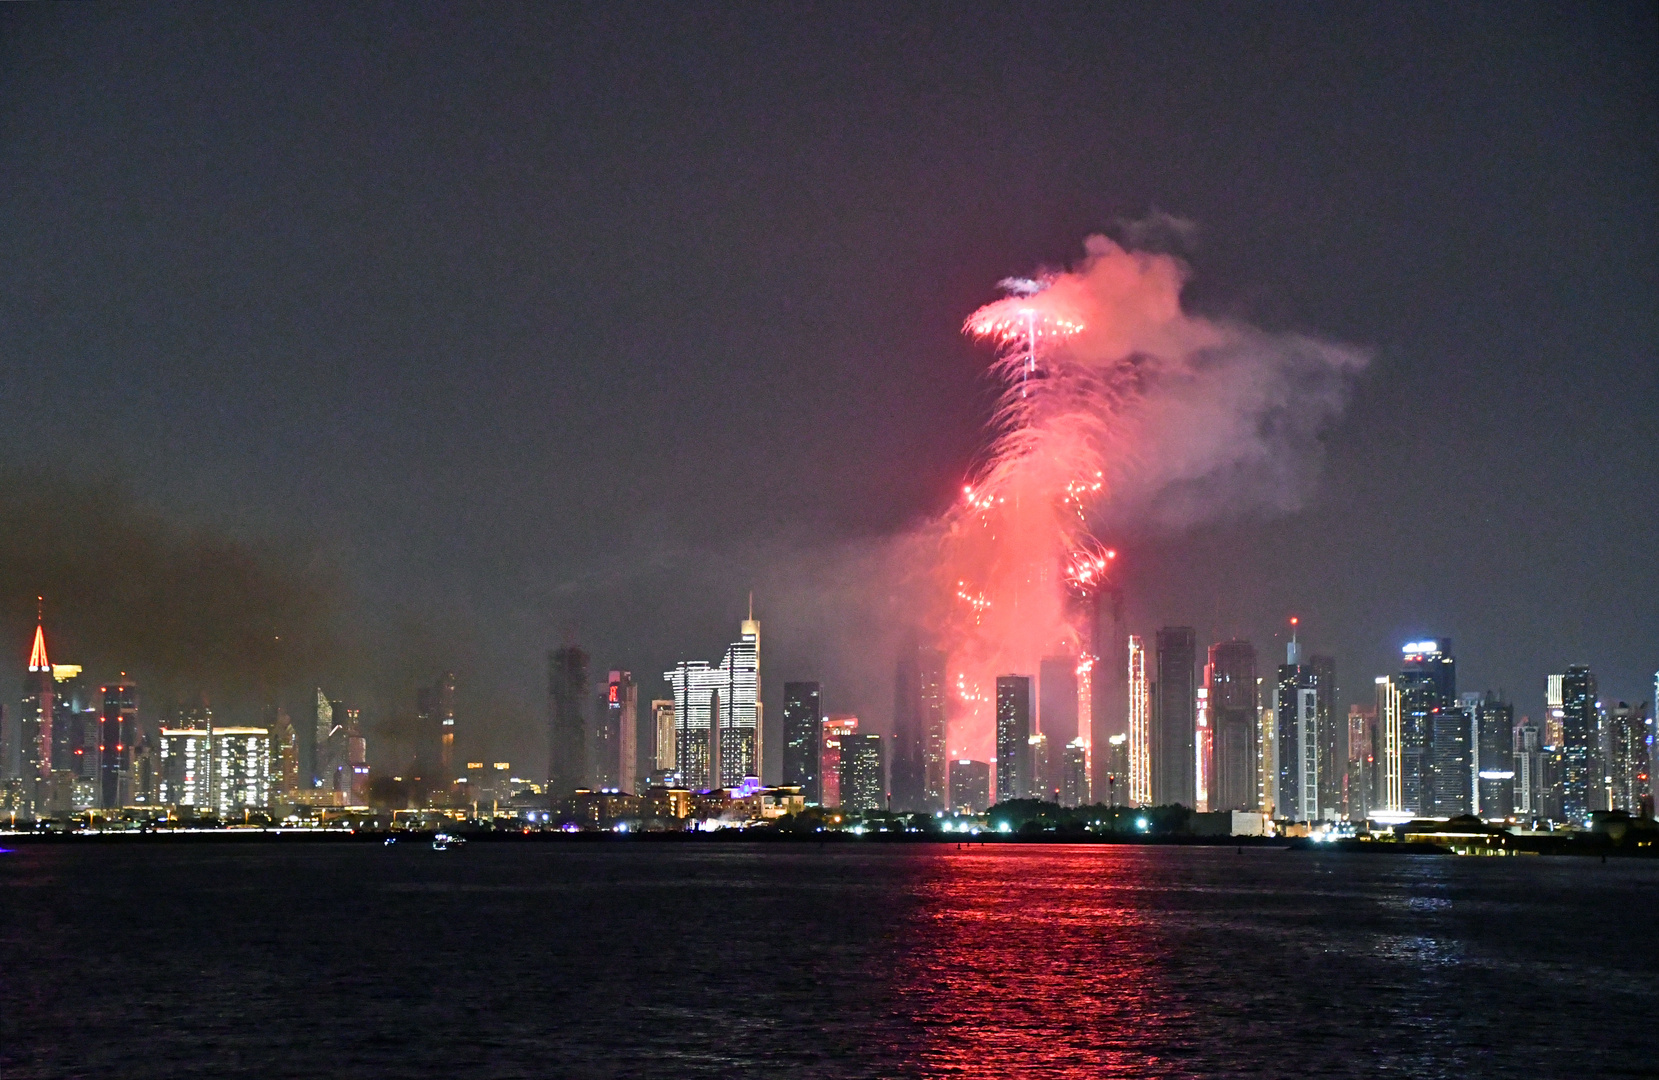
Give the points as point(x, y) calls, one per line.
point(935, 753)
point(1333, 755)
point(435, 756)
point(802, 720)
point(1578, 729)
point(664, 760)
point(1013, 778)
point(908, 765)
point(1140, 730)
point(1359, 782)
point(1529, 769)
point(567, 702)
point(35, 720)
point(1627, 757)
point(1296, 734)
point(620, 758)
point(862, 786)
point(1391, 733)
point(1174, 753)
point(1492, 744)
point(1231, 678)
point(117, 735)
point(1112, 704)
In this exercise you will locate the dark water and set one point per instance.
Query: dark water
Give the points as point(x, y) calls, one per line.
point(737, 960)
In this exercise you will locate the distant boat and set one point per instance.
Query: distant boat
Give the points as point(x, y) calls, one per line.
point(444, 841)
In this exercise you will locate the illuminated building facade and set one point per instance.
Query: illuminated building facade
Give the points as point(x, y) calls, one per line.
point(665, 759)
point(36, 741)
point(1173, 723)
point(803, 716)
point(240, 773)
point(1451, 769)
point(1390, 733)
point(1074, 774)
point(718, 715)
point(567, 700)
point(862, 776)
point(1044, 784)
point(1579, 716)
point(187, 768)
point(1140, 729)
point(837, 729)
point(1529, 769)
point(1204, 745)
point(1115, 757)
point(1296, 731)
point(1013, 779)
point(970, 786)
point(1230, 677)
point(1628, 759)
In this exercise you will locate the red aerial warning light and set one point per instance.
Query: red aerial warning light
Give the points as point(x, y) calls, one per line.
point(1294, 620)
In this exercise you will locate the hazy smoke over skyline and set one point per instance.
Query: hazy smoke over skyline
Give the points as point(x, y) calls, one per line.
point(1120, 413)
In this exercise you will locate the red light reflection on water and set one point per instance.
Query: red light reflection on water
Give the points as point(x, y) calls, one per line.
point(1040, 962)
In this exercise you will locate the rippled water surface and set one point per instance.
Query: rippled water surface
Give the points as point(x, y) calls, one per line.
point(740, 960)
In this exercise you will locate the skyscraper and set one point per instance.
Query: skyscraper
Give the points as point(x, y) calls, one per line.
point(662, 719)
point(836, 730)
point(1359, 783)
point(1296, 735)
point(1529, 769)
point(1013, 737)
point(1231, 678)
point(862, 786)
point(1391, 734)
point(1451, 770)
point(718, 713)
point(567, 698)
point(970, 786)
point(1044, 783)
point(909, 765)
point(1074, 774)
point(1333, 755)
point(187, 768)
point(1174, 753)
point(1427, 683)
point(1493, 743)
point(1578, 728)
point(1627, 757)
point(285, 758)
point(616, 757)
point(435, 756)
point(117, 734)
point(329, 746)
point(935, 753)
point(240, 774)
point(802, 717)
point(1140, 729)
point(35, 720)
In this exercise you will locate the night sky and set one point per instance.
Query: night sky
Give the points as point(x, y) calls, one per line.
point(547, 322)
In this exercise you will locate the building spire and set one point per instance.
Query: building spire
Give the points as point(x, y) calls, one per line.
point(37, 655)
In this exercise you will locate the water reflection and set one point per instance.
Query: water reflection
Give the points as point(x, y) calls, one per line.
point(1040, 962)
